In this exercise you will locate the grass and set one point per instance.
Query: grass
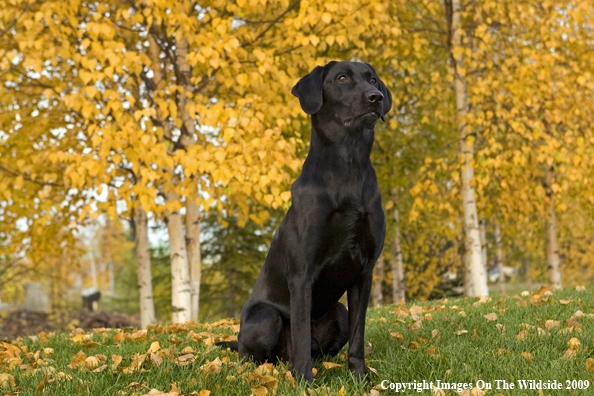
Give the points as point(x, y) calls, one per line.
point(446, 340)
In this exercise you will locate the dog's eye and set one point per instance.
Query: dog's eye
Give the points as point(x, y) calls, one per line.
point(342, 78)
point(373, 81)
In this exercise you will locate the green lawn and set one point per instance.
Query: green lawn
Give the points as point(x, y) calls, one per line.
point(451, 341)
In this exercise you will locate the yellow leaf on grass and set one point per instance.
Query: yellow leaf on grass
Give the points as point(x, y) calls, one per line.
point(92, 362)
point(6, 381)
point(77, 360)
point(491, 316)
point(117, 359)
point(213, 367)
point(527, 356)
point(118, 337)
point(551, 324)
point(570, 353)
point(259, 391)
point(154, 347)
point(79, 338)
point(330, 365)
point(590, 365)
point(436, 334)
point(41, 385)
point(574, 344)
point(204, 392)
point(522, 335)
point(397, 335)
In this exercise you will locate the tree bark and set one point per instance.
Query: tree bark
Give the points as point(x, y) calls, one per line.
point(230, 294)
point(484, 255)
point(477, 272)
point(398, 287)
point(377, 295)
point(181, 290)
point(552, 245)
point(143, 258)
point(528, 271)
point(499, 249)
point(181, 301)
point(193, 249)
point(188, 139)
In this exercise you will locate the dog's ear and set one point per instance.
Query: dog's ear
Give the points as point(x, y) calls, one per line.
point(387, 102)
point(309, 90)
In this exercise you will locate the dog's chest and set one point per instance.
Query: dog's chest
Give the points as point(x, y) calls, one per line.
point(349, 240)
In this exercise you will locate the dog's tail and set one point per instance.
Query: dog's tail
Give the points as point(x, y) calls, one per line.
point(233, 345)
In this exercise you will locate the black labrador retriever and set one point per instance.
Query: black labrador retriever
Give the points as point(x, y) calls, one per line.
point(331, 236)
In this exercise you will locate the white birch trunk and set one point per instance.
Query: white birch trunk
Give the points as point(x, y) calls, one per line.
point(181, 290)
point(192, 210)
point(398, 287)
point(181, 301)
point(477, 272)
point(193, 249)
point(552, 245)
point(499, 250)
point(377, 296)
point(143, 258)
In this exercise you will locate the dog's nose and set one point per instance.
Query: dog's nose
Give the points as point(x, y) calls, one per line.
point(375, 96)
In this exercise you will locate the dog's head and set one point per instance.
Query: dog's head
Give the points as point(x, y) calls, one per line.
point(349, 91)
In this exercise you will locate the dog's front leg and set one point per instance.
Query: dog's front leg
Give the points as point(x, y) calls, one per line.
point(358, 299)
point(300, 288)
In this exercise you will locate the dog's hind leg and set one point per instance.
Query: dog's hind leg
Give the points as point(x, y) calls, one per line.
point(262, 332)
point(331, 332)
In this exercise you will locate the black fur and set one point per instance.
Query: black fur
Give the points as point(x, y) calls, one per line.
point(332, 235)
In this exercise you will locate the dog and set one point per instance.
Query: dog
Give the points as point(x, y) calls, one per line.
point(332, 235)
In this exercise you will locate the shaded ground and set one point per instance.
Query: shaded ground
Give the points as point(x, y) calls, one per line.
point(23, 323)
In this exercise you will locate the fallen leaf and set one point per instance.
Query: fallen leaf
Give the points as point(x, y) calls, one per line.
point(551, 324)
point(522, 335)
point(204, 392)
point(61, 376)
point(574, 344)
point(213, 367)
point(570, 353)
point(500, 327)
point(92, 362)
point(155, 346)
point(416, 310)
point(580, 288)
point(477, 392)
point(119, 337)
point(100, 369)
point(6, 381)
point(527, 355)
point(590, 365)
point(330, 365)
point(77, 360)
point(259, 391)
point(397, 335)
point(544, 288)
point(460, 332)
point(437, 392)
point(41, 385)
point(565, 302)
point(117, 359)
point(491, 316)
point(431, 350)
point(413, 346)
point(436, 334)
